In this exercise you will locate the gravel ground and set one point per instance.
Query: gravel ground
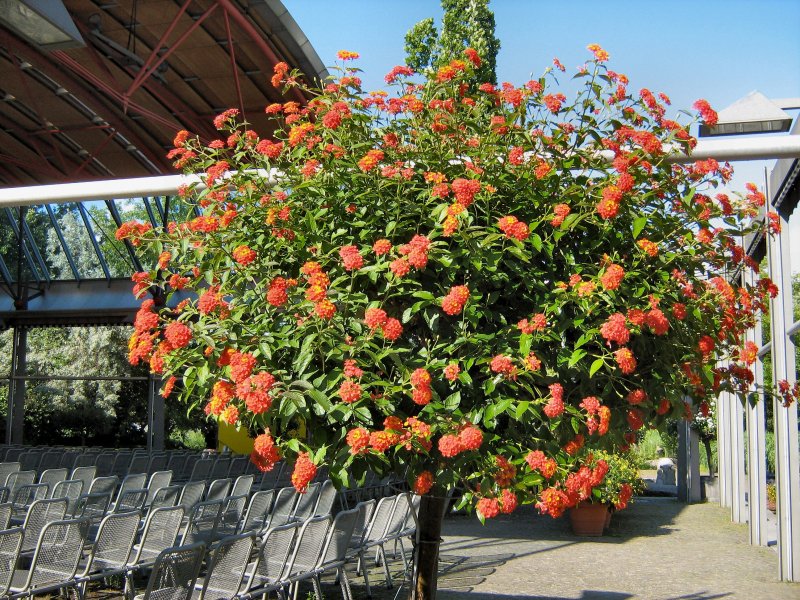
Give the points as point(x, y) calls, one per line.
point(657, 549)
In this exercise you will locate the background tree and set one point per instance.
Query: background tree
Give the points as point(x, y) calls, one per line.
point(465, 24)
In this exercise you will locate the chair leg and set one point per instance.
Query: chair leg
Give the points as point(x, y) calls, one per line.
point(362, 563)
point(344, 582)
point(318, 587)
point(389, 582)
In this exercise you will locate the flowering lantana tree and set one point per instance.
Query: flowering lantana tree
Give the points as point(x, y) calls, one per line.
point(466, 287)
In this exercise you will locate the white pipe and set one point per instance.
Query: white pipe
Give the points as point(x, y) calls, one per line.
point(728, 149)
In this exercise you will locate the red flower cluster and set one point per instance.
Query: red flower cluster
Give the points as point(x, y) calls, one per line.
point(451, 371)
point(626, 360)
point(612, 277)
point(277, 294)
point(370, 160)
point(488, 507)
point(254, 390)
point(349, 391)
point(376, 318)
point(506, 472)
point(382, 247)
point(615, 330)
point(465, 190)
point(708, 114)
point(537, 323)
point(304, 472)
point(358, 440)
point(421, 387)
point(351, 258)
point(178, 334)
point(317, 290)
point(555, 406)
point(241, 364)
point(453, 303)
point(423, 483)
point(513, 228)
point(244, 255)
point(537, 461)
point(265, 453)
point(504, 365)
point(560, 212)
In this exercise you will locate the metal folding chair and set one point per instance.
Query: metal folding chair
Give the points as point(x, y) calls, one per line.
point(174, 573)
point(226, 568)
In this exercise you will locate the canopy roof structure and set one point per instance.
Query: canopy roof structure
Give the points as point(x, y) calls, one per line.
point(138, 72)
point(96, 90)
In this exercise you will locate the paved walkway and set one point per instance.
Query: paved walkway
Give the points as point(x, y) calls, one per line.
point(657, 549)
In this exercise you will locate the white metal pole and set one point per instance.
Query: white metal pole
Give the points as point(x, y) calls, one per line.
point(787, 461)
point(724, 449)
point(756, 447)
point(738, 480)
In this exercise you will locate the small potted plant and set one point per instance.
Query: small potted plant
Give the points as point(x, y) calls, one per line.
point(772, 497)
point(613, 492)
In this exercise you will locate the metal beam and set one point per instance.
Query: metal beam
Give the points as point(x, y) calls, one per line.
point(63, 242)
point(756, 445)
point(787, 459)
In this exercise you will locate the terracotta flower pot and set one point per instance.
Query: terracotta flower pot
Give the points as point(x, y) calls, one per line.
point(609, 512)
point(588, 519)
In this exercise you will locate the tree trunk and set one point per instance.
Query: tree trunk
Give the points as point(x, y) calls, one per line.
point(426, 568)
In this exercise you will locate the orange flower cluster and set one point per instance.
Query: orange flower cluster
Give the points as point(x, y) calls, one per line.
point(513, 228)
point(421, 392)
point(555, 405)
point(265, 453)
point(453, 303)
point(304, 472)
point(351, 258)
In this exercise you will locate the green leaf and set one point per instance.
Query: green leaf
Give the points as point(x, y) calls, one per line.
point(577, 355)
point(638, 225)
point(452, 401)
point(522, 408)
point(596, 366)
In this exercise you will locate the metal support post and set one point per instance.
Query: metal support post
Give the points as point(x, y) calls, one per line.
point(787, 460)
point(724, 449)
point(689, 489)
point(155, 415)
point(15, 417)
point(756, 447)
point(738, 480)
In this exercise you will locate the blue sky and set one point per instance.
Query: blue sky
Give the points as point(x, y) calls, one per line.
point(719, 50)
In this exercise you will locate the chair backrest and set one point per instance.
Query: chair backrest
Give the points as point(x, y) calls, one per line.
point(380, 519)
point(160, 530)
point(85, 473)
point(122, 462)
point(273, 554)
point(283, 508)
point(101, 485)
point(201, 469)
point(176, 463)
point(10, 545)
point(157, 480)
point(166, 496)
point(339, 536)
point(175, 573)
point(29, 461)
point(238, 466)
point(6, 509)
point(68, 459)
point(94, 506)
point(310, 541)
point(134, 481)
point(256, 516)
point(399, 515)
point(6, 468)
point(51, 460)
point(158, 462)
point(191, 494)
point(130, 499)
point(232, 513)
point(39, 514)
point(52, 476)
point(218, 489)
point(17, 479)
point(105, 464)
point(57, 553)
point(203, 522)
point(325, 498)
point(228, 566)
point(138, 464)
point(87, 459)
point(220, 468)
point(242, 485)
point(114, 542)
point(306, 502)
point(70, 489)
point(25, 495)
